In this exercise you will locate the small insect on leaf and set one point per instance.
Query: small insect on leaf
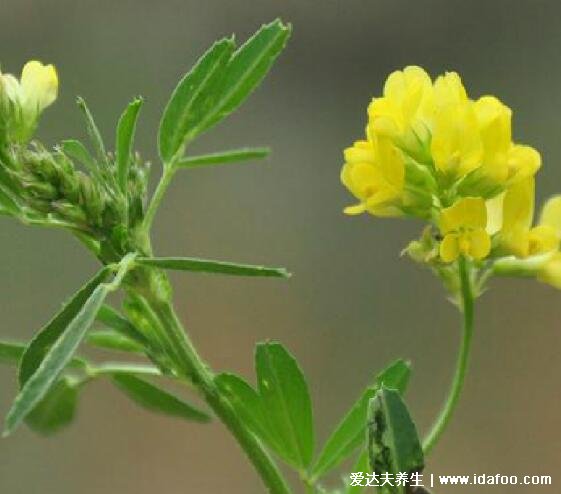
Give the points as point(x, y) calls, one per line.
point(393, 442)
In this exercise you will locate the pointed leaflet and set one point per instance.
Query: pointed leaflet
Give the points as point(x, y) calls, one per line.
point(125, 140)
point(149, 396)
point(112, 340)
point(246, 69)
point(351, 432)
point(247, 403)
point(393, 443)
point(217, 85)
point(286, 401)
point(224, 157)
point(93, 132)
point(208, 266)
point(50, 352)
point(192, 98)
point(47, 336)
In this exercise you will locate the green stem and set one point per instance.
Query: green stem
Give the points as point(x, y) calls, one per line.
point(192, 365)
point(451, 403)
point(163, 184)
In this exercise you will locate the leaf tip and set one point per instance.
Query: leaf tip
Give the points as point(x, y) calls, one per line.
point(285, 273)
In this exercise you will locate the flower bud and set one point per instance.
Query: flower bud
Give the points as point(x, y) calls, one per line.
point(23, 101)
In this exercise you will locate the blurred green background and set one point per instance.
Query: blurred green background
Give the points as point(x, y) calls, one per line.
point(353, 304)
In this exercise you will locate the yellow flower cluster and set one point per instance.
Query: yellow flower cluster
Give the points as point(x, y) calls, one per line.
point(22, 101)
point(432, 152)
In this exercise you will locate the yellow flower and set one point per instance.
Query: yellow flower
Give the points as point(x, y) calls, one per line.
point(403, 111)
point(550, 271)
point(456, 143)
point(23, 100)
point(512, 214)
point(463, 227)
point(374, 172)
point(503, 161)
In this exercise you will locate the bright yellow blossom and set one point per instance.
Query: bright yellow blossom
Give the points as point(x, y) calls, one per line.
point(23, 100)
point(463, 227)
point(513, 213)
point(456, 144)
point(503, 161)
point(402, 113)
point(374, 172)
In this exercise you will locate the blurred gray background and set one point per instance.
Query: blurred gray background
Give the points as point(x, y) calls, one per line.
point(353, 304)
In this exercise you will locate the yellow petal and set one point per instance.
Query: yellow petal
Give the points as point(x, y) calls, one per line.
point(551, 271)
point(494, 119)
point(456, 144)
point(518, 205)
point(479, 243)
point(551, 213)
point(449, 90)
point(449, 248)
point(523, 162)
point(515, 241)
point(361, 151)
point(39, 85)
point(541, 239)
point(468, 212)
point(385, 118)
point(406, 96)
point(354, 210)
point(391, 162)
point(495, 213)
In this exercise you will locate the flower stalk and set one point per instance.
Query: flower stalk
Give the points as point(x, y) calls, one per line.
point(451, 403)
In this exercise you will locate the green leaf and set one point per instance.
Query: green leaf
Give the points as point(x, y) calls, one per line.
point(361, 465)
point(48, 335)
point(246, 69)
point(111, 340)
point(351, 431)
point(77, 151)
point(58, 356)
point(112, 319)
point(219, 83)
point(286, 400)
point(393, 442)
point(11, 352)
point(192, 99)
point(149, 396)
point(247, 403)
point(233, 156)
point(208, 266)
point(93, 132)
point(124, 143)
point(57, 408)
point(395, 376)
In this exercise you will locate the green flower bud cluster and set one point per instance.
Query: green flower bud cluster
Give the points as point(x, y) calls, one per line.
point(48, 188)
